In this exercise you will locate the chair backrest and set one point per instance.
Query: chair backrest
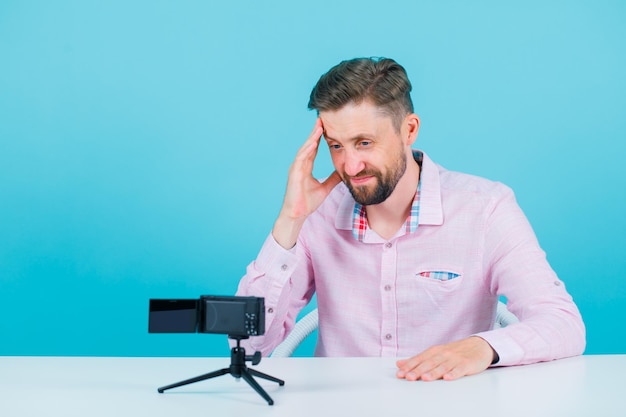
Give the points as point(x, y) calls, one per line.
point(304, 327)
point(503, 316)
point(307, 324)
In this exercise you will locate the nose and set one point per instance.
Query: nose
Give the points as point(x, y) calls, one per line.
point(353, 164)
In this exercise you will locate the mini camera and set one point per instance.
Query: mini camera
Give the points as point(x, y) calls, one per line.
point(235, 316)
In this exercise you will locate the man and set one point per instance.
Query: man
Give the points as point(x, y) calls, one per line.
point(407, 259)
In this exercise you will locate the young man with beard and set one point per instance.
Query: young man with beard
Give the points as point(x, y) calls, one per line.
point(407, 259)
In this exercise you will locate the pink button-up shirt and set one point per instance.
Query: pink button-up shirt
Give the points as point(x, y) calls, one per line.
point(435, 285)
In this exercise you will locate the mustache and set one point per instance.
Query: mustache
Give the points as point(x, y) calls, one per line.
point(364, 173)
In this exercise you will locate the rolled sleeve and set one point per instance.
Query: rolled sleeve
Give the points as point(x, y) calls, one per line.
point(550, 325)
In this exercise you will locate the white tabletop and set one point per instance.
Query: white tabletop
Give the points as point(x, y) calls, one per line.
point(321, 387)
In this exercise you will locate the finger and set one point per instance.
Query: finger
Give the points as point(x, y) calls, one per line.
point(405, 365)
point(401, 373)
point(428, 366)
point(427, 371)
point(400, 363)
point(312, 141)
point(437, 372)
point(453, 374)
point(443, 367)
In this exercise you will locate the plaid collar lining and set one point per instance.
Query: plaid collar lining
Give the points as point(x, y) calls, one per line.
point(359, 215)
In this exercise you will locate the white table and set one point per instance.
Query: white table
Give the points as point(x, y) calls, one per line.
point(320, 387)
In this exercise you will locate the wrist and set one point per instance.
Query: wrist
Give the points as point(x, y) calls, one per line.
point(286, 231)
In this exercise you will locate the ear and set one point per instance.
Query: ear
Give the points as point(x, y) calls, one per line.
point(411, 127)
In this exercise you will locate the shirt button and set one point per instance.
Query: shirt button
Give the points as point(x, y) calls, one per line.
point(388, 336)
point(270, 310)
point(388, 245)
point(387, 287)
point(284, 267)
point(557, 283)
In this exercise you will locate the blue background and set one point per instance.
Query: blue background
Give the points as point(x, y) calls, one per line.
point(144, 145)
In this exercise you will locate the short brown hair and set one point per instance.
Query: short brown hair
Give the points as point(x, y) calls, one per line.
point(381, 80)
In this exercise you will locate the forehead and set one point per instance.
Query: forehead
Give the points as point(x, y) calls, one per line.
point(354, 120)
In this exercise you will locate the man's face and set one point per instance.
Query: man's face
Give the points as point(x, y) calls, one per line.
point(366, 149)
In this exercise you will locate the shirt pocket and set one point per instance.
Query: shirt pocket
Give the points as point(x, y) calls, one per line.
point(429, 288)
point(439, 276)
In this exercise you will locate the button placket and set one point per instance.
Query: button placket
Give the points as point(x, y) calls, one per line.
point(388, 298)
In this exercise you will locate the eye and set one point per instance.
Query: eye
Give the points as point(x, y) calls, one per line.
point(334, 146)
point(365, 143)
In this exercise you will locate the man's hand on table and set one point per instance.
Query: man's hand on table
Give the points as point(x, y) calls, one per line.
point(449, 362)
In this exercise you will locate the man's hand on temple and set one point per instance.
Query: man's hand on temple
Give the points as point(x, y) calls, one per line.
point(304, 193)
point(451, 361)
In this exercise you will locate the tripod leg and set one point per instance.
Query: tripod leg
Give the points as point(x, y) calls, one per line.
point(250, 380)
point(266, 376)
point(213, 374)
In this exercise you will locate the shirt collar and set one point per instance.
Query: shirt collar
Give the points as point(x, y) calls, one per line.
point(426, 207)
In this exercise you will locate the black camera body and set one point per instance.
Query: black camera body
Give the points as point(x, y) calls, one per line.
point(236, 316)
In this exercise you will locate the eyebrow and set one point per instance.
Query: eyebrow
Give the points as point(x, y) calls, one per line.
point(352, 139)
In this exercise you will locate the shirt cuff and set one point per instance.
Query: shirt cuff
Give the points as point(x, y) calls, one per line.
point(508, 352)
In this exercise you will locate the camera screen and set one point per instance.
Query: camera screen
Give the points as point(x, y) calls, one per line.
point(173, 316)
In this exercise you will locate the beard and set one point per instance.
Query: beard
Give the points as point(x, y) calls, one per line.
point(385, 183)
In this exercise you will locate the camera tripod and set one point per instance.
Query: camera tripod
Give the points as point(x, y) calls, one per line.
point(237, 369)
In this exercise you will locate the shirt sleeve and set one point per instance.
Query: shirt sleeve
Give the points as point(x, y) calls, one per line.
point(272, 276)
point(550, 325)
